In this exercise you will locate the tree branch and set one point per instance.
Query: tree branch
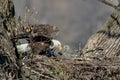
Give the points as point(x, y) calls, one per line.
point(109, 4)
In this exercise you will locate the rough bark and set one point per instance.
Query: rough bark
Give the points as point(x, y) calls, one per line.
point(105, 43)
point(8, 57)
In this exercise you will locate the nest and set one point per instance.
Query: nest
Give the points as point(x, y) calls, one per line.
point(46, 68)
point(43, 30)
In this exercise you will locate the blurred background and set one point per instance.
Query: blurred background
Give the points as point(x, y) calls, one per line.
point(76, 19)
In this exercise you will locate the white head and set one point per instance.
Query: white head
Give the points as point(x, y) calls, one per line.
point(56, 44)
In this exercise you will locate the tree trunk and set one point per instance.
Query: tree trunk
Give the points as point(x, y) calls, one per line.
point(8, 56)
point(105, 43)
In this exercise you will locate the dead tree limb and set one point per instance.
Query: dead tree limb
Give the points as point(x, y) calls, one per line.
point(105, 43)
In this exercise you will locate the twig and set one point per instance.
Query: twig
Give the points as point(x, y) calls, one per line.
point(109, 4)
point(40, 74)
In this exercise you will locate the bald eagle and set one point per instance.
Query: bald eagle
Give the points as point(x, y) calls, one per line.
point(55, 47)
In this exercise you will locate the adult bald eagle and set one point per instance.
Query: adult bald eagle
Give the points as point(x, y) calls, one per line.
point(55, 47)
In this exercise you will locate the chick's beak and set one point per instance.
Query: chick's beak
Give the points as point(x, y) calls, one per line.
point(60, 47)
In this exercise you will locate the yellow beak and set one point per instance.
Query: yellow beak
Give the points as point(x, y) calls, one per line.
point(59, 47)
